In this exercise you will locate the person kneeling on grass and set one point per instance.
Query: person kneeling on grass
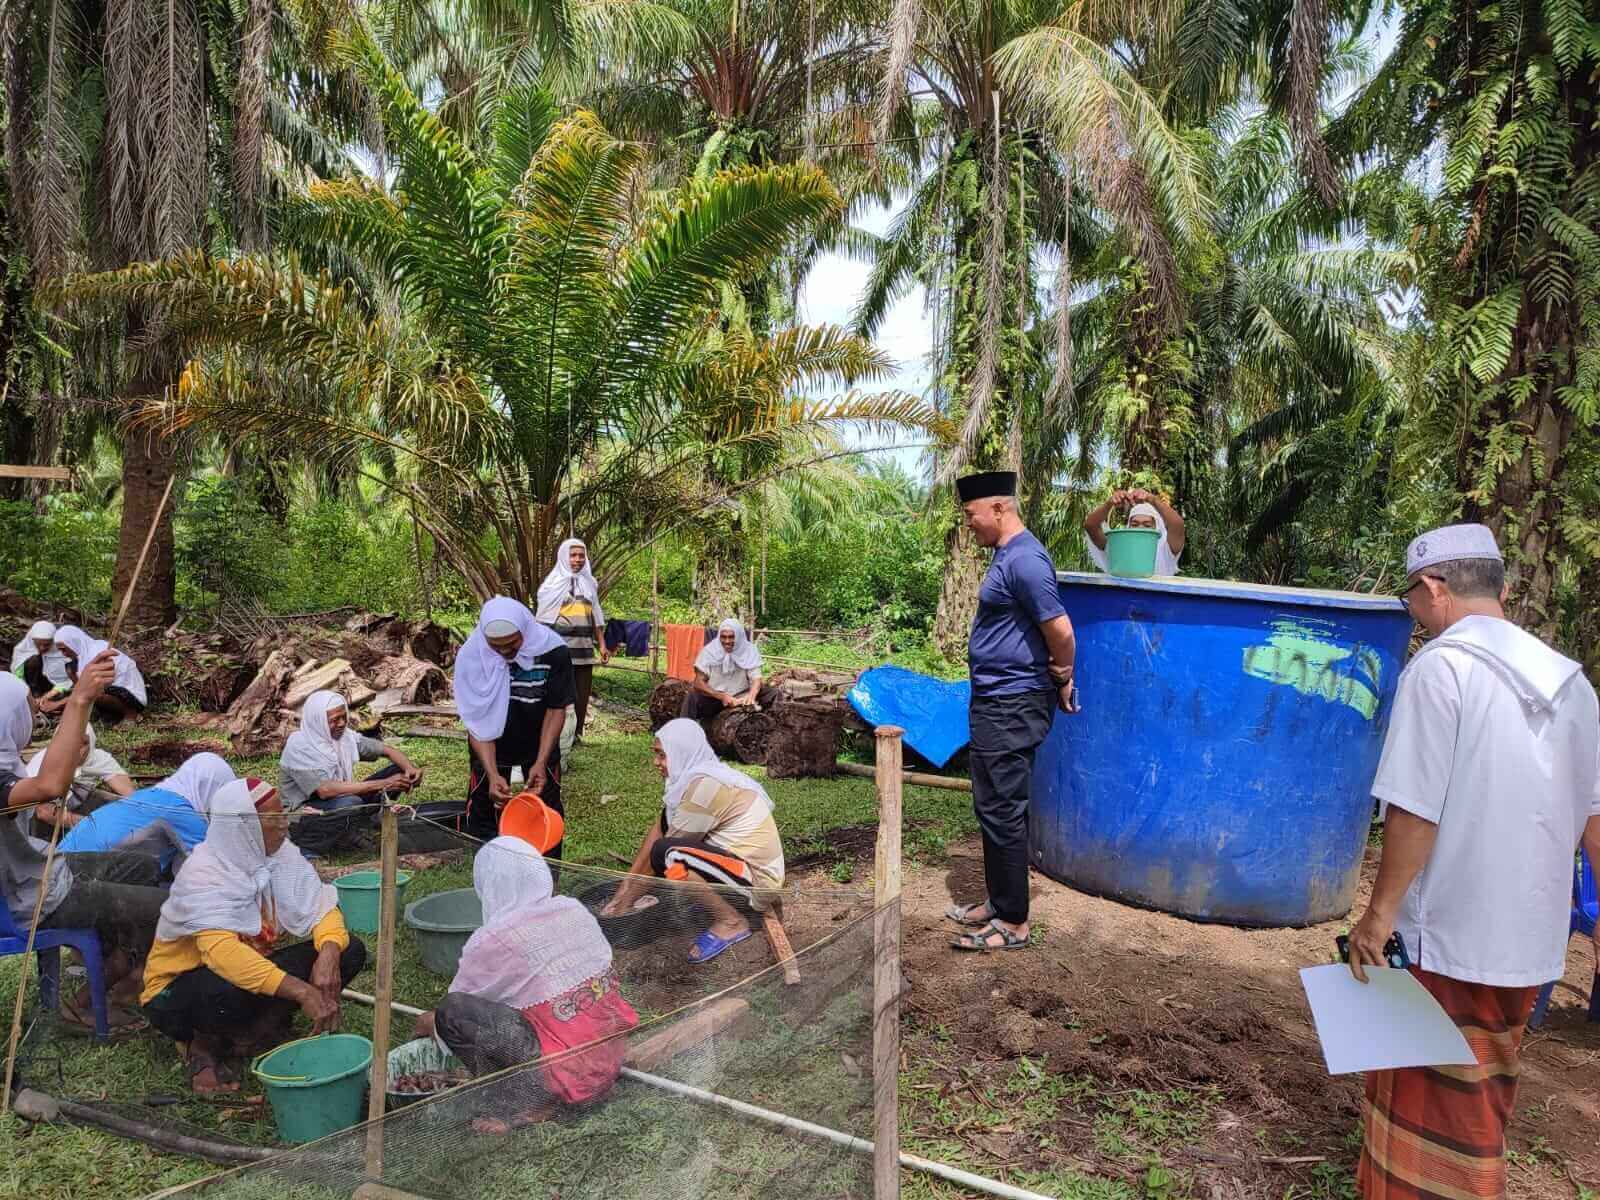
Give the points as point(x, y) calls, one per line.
point(125, 696)
point(716, 828)
point(318, 771)
point(213, 983)
point(535, 980)
point(166, 821)
point(113, 894)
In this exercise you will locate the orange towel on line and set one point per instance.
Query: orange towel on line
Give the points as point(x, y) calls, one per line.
point(684, 643)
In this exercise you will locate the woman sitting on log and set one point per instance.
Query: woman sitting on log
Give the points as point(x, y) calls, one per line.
point(727, 674)
point(534, 980)
point(318, 772)
point(163, 821)
point(213, 982)
point(36, 661)
point(716, 828)
point(126, 696)
point(98, 771)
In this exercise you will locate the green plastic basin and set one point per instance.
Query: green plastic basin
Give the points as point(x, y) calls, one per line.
point(1132, 552)
point(442, 924)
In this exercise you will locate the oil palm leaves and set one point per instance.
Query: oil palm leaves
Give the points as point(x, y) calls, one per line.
point(527, 339)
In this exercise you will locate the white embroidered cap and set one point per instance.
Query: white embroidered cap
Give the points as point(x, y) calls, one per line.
point(1451, 543)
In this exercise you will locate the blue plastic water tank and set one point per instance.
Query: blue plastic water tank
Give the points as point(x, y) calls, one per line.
point(1221, 764)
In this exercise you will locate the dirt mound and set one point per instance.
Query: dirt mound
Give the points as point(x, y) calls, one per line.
point(170, 752)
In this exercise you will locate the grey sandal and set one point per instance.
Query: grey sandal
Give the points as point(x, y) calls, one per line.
point(963, 914)
point(978, 939)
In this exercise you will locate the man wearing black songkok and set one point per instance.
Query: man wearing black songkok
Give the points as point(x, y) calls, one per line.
point(1020, 657)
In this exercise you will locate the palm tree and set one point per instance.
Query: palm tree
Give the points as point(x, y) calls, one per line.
point(1509, 243)
point(1012, 159)
point(138, 130)
point(535, 355)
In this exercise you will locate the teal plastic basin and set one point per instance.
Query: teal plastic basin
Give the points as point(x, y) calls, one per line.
point(315, 1084)
point(360, 895)
point(1132, 552)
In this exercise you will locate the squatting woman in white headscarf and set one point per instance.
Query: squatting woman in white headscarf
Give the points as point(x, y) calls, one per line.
point(513, 682)
point(569, 603)
point(126, 696)
point(727, 673)
point(535, 980)
point(36, 661)
point(1145, 510)
point(716, 831)
point(214, 983)
point(317, 771)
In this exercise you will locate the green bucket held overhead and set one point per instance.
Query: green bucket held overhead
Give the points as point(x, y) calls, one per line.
point(360, 893)
point(315, 1084)
point(1132, 552)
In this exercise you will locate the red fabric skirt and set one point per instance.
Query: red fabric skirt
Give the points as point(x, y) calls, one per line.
point(1441, 1131)
point(590, 1015)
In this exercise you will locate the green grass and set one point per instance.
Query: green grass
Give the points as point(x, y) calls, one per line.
point(612, 793)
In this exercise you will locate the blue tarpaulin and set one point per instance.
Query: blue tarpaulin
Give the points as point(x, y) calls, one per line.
point(933, 712)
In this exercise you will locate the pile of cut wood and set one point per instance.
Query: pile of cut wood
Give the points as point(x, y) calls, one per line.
point(375, 662)
point(793, 730)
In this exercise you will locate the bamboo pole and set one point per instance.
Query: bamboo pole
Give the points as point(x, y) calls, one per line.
point(55, 828)
point(655, 609)
point(886, 969)
point(389, 851)
point(915, 778)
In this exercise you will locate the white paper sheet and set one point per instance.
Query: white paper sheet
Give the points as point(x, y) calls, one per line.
point(1389, 1021)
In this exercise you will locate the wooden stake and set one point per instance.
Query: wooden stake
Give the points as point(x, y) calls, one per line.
point(55, 829)
point(389, 852)
point(886, 969)
point(138, 566)
point(656, 633)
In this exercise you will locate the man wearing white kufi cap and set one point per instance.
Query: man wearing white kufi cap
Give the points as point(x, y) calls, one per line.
point(1489, 779)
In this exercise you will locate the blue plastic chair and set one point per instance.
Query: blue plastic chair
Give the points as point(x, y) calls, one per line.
point(47, 944)
point(1585, 915)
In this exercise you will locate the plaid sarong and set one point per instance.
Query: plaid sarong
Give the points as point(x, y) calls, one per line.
point(1440, 1132)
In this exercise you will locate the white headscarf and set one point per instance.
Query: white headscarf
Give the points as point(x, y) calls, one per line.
point(483, 679)
point(198, 779)
point(744, 654)
point(229, 882)
point(1166, 560)
point(563, 582)
point(313, 748)
point(16, 723)
point(85, 648)
point(532, 945)
point(690, 757)
point(55, 663)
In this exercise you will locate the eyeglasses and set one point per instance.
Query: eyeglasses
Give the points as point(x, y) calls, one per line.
point(1405, 592)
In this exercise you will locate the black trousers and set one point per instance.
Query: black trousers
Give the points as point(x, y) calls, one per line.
point(33, 675)
point(487, 1037)
point(117, 895)
point(201, 1001)
point(698, 706)
point(1006, 734)
point(483, 819)
point(336, 829)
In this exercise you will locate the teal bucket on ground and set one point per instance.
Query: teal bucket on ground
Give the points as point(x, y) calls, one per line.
point(442, 923)
point(315, 1084)
point(360, 894)
point(1132, 552)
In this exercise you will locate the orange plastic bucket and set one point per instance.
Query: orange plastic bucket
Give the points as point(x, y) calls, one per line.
point(527, 817)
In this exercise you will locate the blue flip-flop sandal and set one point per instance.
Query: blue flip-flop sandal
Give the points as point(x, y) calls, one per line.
point(708, 945)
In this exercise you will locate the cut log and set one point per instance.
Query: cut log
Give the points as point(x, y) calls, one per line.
point(419, 681)
point(805, 738)
point(329, 676)
point(719, 1018)
point(743, 733)
point(666, 701)
point(245, 716)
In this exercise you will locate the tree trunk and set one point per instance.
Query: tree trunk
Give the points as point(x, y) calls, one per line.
point(148, 462)
point(958, 595)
